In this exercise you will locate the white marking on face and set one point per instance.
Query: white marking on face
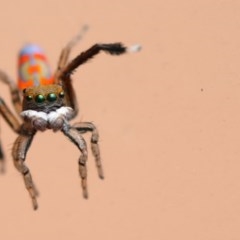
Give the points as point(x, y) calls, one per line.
point(53, 120)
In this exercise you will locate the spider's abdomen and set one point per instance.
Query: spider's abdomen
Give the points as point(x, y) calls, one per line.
point(33, 68)
point(54, 120)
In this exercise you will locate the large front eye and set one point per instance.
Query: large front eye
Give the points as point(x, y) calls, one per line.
point(52, 97)
point(40, 98)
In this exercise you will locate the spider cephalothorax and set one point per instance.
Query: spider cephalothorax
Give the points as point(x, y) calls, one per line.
point(43, 98)
point(44, 101)
point(45, 107)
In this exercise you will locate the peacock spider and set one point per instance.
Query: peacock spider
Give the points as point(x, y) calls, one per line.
point(45, 101)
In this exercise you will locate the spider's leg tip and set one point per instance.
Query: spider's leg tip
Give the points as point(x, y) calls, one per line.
point(134, 48)
point(100, 172)
point(35, 206)
point(2, 166)
point(85, 194)
point(85, 27)
point(101, 175)
point(2, 170)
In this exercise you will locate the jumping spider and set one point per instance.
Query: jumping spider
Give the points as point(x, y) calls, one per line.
point(44, 101)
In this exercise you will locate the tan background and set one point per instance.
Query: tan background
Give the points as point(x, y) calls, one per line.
point(168, 118)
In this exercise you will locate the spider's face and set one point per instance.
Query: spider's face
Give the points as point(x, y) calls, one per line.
point(44, 107)
point(44, 98)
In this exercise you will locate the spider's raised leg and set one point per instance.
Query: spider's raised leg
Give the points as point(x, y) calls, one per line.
point(67, 70)
point(15, 94)
point(64, 56)
point(19, 152)
point(112, 48)
point(83, 127)
point(74, 135)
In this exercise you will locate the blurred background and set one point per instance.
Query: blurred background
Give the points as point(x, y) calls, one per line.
point(168, 119)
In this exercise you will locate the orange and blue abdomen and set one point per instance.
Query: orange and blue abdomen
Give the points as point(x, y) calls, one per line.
point(33, 68)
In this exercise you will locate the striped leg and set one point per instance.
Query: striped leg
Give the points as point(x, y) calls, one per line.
point(13, 122)
point(9, 117)
point(64, 56)
point(63, 61)
point(84, 127)
point(15, 95)
point(74, 135)
point(19, 152)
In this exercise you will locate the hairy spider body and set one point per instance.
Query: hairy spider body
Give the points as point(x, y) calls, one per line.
point(45, 101)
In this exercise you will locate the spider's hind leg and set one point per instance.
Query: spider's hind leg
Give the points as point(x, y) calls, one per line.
point(84, 127)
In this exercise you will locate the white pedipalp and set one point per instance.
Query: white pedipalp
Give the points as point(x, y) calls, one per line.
point(66, 111)
point(52, 120)
point(29, 114)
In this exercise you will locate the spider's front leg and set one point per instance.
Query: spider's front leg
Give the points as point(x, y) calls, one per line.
point(64, 71)
point(63, 59)
point(111, 48)
point(19, 152)
point(84, 127)
point(74, 135)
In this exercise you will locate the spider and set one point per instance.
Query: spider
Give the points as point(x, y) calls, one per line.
point(44, 101)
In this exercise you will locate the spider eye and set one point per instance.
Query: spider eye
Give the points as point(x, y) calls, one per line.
point(52, 97)
point(29, 98)
point(40, 98)
point(61, 94)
